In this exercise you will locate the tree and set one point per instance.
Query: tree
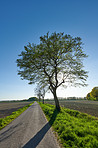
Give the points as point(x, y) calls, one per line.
point(40, 92)
point(88, 96)
point(56, 61)
point(32, 99)
point(94, 93)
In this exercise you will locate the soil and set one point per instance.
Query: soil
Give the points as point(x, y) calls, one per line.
point(6, 108)
point(89, 107)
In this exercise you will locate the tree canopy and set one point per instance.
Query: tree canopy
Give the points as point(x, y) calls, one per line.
point(93, 95)
point(56, 61)
point(33, 99)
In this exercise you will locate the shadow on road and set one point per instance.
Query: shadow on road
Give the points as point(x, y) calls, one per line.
point(40, 135)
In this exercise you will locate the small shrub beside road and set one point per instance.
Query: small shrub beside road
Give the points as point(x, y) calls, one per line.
point(75, 129)
point(5, 121)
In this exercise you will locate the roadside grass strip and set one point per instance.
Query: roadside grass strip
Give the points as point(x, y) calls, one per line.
point(5, 121)
point(75, 129)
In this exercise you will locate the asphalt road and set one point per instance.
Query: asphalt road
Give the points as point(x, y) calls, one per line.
point(29, 130)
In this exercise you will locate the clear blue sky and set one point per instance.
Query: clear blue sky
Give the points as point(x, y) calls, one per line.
point(23, 21)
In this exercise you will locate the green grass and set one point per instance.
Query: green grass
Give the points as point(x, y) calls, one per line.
point(5, 121)
point(75, 129)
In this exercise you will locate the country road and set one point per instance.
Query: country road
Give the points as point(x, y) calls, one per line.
point(29, 130)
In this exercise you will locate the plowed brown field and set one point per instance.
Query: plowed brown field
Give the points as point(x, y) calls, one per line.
point(6, 108)
point(89, 107)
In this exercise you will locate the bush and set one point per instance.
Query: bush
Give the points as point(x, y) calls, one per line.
point(93, 95)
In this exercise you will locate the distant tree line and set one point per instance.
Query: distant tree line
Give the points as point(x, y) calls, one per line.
point(73, 98)
point(67, 98)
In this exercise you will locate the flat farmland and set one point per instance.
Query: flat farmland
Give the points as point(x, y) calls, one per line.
point(84, 106)
point(6, 108)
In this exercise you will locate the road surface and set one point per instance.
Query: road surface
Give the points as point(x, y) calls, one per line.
point(29, 130)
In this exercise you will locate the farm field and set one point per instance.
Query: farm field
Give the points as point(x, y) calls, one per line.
point(6, 108)
point(84, 106)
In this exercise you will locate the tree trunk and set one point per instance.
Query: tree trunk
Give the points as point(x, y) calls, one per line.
point(43, 100)
point(56, 101)
point(39, 99)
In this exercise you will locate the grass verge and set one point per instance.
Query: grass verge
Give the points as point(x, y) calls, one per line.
point(75, 129)
point(5, 121)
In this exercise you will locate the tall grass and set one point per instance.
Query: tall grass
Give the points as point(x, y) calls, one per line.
point(75, 129)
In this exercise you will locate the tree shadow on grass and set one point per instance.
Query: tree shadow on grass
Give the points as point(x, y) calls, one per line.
point(40, 134)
